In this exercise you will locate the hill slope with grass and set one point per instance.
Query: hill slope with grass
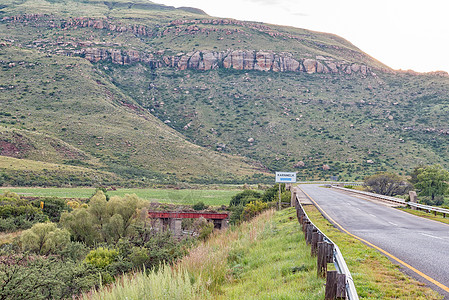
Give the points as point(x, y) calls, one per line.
point(125, 84)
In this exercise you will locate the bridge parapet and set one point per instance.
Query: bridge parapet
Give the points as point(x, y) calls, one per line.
point(173, 219)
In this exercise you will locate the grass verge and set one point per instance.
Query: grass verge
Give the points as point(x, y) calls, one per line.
point(426, 215)
point(266, 258)
point(375, 277)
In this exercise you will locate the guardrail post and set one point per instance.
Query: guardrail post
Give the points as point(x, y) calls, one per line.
point(293, 198)
point(316, 238)
point(330, 253)
point(413, 198)
point(335, 286)
point(305, 222)
point(341, 286)
point(310, 229)
point(322, 259)
point(331, 285)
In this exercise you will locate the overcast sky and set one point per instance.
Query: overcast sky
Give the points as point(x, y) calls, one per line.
point(402, 34)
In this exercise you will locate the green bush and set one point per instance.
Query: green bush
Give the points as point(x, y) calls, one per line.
point(252, 209)
point(101, 257)
point(24, 277)
point(16, 213)
point(53, 207)
point(199, 206)
point(272, 193)
point(236, 214)
point(244, 197)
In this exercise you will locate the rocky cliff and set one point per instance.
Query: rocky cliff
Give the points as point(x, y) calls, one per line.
point(262, 60)
point(231, 59)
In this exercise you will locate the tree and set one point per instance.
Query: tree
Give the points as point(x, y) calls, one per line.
point(80, 224)
point(432, 181)
point(414, 174)
point(44, 238)
point(105, 221)
point(388, 184)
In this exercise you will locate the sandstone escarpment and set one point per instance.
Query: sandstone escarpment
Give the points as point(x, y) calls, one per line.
point(181, 27)
point(230, 59)
point(198, 60)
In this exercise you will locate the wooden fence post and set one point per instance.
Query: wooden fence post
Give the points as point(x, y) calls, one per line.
point(322, 259)
point(316, 238)
point(335, 286)
point(331, 285)
point(310, 229)
point(330, 253)
point(341, 286)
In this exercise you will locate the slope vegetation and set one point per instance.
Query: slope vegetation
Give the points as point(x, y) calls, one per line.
point(99, 75)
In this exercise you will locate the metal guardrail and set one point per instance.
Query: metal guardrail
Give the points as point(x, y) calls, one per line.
point(330, 182)
point(429, 208)
point(338, 259)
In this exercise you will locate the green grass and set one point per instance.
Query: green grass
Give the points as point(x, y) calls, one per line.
point(277, 265)
point(375, 277)
point(184, 196)
point(439, 217)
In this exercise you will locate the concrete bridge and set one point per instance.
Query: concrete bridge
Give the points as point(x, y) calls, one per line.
point(173, 219)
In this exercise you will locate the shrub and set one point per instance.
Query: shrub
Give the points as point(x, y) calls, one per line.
point(101, 257)
point(244, 197)
point(252, 209)
point(23, 277)
point(53, 207)
point(271, 194)
point(236, 214)
point(199, 206)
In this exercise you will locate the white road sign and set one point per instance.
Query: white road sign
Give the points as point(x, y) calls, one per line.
point(286, 177)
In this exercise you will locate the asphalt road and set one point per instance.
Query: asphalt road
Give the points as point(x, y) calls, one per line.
point(421, 243)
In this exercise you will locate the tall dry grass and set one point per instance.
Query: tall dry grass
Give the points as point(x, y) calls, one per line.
point(166, 283)
point(208, 262)
point(198, 275)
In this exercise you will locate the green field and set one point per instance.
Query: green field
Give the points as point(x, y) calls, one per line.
point(186, 196)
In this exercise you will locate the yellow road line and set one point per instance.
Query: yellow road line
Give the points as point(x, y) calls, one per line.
point(437, 283)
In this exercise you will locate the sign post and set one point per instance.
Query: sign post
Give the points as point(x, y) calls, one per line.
point(284, 177)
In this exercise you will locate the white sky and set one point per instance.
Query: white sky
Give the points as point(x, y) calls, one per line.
point(401, 34)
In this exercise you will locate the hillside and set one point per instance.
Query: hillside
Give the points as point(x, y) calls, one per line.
point(57, 109)
point(124, 85)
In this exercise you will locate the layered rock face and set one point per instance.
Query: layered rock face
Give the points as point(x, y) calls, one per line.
point(231, 59)
point(198, 60)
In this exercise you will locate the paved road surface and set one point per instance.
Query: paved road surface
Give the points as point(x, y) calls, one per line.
point(421, 243)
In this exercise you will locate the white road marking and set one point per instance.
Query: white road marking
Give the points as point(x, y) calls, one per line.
point(373, 215)
point(429, 235)
point(394, 224)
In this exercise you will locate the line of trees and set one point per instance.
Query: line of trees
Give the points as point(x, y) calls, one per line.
point(431, 183)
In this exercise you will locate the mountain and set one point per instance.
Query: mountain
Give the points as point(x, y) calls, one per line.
point(155, 93)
